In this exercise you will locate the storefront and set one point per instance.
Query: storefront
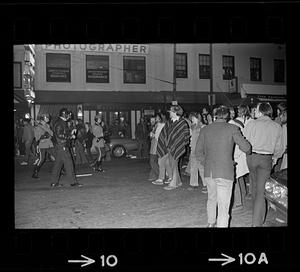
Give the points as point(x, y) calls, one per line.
point(117, 108)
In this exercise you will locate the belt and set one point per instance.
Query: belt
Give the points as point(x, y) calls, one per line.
point(262, 154)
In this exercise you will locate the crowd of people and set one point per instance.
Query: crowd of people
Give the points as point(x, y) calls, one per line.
point(64, 140)
point(232, 150)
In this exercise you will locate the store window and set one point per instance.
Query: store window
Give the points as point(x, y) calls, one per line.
point(58, 67)
point(228, 67)
point(119, 124)
point(181, 65)
point(134, 69)
point(279, 71)
point(97, 69)
point(103, 115)
point(17, 75)
point(255, 69)
point(204, 66)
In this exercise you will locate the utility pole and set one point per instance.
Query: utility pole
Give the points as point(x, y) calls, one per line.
point(211, 68)
point(211, 75)
point(174, 72)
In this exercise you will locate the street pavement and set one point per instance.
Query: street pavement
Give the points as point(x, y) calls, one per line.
point(121, 197)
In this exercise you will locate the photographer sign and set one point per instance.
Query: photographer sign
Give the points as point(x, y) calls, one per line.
point(104, 48)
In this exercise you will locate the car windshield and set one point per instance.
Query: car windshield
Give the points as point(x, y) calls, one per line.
point(280, 176)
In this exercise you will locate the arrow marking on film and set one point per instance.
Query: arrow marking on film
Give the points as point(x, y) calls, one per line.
point(87, 261)
point(228, 259)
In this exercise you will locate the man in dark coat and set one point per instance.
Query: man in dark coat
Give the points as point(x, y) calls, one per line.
point(214, 149)
point(63, 158)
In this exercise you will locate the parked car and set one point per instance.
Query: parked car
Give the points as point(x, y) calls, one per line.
point(120, 147)
point(276, 194)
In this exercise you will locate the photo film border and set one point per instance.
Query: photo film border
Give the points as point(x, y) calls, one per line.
point(184, 249)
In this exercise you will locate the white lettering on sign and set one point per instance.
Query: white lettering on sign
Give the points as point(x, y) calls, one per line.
point(108, 48)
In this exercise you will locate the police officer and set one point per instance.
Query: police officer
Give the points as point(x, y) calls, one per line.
point(98, 143)
point(62, 136)
point(43, 134)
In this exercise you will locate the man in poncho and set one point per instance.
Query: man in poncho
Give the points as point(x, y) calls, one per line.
point(172, 142)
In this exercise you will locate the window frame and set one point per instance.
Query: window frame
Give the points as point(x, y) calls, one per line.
point(86, 69)
point(209, 73)
point(21, 74)
point(47, 73)
point(186, 65)
point(274, 65)
point(137, 71)
point(225, 77)
point(255, 69)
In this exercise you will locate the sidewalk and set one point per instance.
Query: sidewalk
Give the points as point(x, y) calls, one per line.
point(121, 197)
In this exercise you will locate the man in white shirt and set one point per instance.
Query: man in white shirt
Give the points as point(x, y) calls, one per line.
point(266, 139)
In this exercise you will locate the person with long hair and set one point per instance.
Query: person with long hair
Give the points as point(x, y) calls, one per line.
point(154, 134)
point(164, 167)
point(196, 167)
point(172, 143)
point(241, 168)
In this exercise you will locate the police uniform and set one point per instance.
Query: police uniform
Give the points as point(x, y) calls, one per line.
point(42, 134)
point(98, 143)
point(62, 136)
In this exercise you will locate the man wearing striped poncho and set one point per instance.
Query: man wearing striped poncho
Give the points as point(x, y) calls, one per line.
point(172, 142)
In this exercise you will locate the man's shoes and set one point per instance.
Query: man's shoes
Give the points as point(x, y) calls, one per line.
point(56, 184)
point(76, 184)
point(158, 182)
point(168, 188)
point(24, 163)
point(192, 188)
point(168, 180)
point(211, 225)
